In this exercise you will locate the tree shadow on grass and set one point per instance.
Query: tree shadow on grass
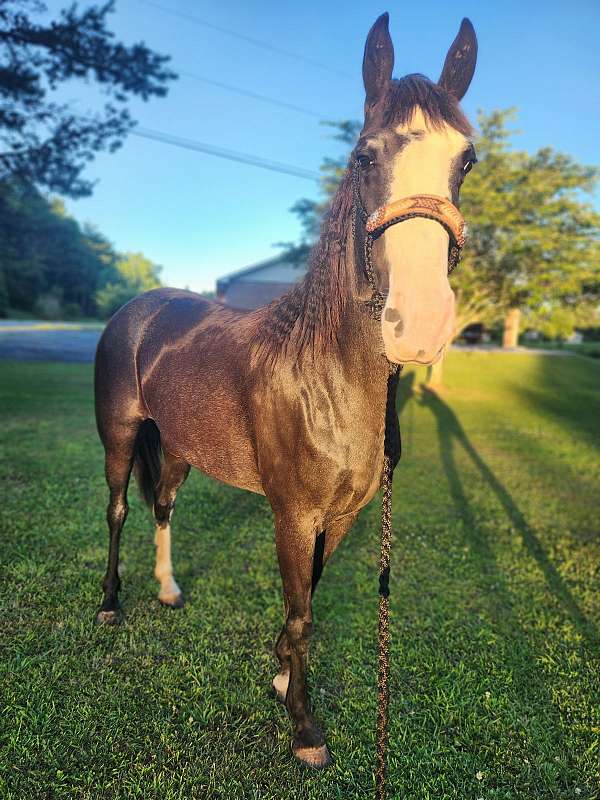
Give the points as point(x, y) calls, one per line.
point(568, 391)
point(451, 432)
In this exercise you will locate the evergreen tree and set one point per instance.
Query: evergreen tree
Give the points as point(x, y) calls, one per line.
point(52, 267)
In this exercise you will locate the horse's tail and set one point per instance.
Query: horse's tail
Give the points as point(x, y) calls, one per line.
point(148, 460)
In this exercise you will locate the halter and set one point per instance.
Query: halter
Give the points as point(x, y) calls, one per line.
point(443, 211)
point(428, 206)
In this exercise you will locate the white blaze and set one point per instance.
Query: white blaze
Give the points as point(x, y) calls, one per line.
point(418, 318)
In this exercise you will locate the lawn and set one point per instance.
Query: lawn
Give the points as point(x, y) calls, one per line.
point(495, 608)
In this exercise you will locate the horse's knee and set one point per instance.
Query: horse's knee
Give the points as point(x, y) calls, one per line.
point(299, 631)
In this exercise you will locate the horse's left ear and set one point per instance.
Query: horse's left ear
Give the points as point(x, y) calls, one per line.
point(459, 65)
point(378, 62)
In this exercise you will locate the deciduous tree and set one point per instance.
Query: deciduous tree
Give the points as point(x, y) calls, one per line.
point(134, 274)
point(533, 254)
point(43, 140)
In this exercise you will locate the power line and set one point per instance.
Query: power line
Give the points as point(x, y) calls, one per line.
point(250, 39)
point(253, 95)
point(221, 152)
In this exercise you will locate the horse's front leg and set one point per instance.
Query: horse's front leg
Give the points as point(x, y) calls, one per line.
point(295, 541)
point(325, 544)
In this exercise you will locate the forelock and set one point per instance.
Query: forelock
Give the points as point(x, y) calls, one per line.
point(439, 107)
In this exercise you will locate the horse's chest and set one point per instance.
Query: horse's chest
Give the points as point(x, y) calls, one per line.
point(326, 448)
point(357, 458)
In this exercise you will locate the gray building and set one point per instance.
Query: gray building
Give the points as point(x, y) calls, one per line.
point(260, 283)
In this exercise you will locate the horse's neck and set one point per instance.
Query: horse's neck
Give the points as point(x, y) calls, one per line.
point(359, 338)
point(359, 327)
point(325, 315)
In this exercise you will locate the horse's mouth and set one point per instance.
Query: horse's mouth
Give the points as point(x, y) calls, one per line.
point(428, 362)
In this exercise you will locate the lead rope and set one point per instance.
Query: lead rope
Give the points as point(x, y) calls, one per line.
point(383, 666)
point(383, 672)
point(375, 307)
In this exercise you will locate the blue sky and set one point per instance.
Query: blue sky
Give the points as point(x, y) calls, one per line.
point(201, 217)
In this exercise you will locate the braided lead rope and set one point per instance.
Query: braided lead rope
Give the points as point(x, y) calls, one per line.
point(375, 306)
point(383, 673)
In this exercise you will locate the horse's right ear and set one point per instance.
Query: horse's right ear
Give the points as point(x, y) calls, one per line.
point(378, 61)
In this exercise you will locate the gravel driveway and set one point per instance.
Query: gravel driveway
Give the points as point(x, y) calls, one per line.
point(36, 340)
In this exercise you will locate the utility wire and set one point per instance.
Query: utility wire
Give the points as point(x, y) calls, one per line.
point(250, 39)
point(221, 152)
point(253, 95)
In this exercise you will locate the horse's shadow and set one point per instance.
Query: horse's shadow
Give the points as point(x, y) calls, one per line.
point(451, 433)
point(517, 653)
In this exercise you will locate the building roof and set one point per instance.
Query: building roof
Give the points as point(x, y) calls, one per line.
point(286, 268)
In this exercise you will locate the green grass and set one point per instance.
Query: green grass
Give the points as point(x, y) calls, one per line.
point(495, 608)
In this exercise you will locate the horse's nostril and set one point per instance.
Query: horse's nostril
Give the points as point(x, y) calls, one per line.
point(421, 354)
point(399, 329)
point(392, 315)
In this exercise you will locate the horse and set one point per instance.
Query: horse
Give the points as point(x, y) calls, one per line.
point(292, 400)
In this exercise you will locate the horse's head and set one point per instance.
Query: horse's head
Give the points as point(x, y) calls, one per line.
point(415, 141)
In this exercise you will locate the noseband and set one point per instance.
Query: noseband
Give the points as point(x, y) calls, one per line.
point(428, 206)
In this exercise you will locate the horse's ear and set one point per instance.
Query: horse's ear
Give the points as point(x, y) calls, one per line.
point(378, 61)
point(459, 65)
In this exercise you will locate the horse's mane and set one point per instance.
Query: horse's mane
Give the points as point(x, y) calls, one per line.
point(308, 317)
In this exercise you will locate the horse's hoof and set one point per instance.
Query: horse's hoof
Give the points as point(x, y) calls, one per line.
point(172, 600)
point(314, 757)
point(112, 617)
point(280, 685)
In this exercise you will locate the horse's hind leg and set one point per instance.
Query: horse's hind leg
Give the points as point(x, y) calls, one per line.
point(173, 473)
point(119, 448)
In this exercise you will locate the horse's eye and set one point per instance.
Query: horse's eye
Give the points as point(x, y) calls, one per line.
point(468, 166)
point(364, 160)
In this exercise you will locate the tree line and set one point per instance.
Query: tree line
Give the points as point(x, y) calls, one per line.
point(50, 266)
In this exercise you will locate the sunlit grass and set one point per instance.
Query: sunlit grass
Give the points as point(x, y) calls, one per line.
point(495, 608)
